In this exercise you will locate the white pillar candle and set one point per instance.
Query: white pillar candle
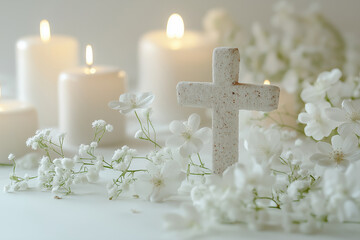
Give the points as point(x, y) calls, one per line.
point(39, 62)
point(18, 122)
point(84, 94)
point(168, 58)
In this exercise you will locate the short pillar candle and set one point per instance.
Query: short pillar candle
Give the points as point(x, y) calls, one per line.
point(18, 122)
point(84, 94)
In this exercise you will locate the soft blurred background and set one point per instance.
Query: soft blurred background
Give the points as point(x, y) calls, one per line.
point(114, 27)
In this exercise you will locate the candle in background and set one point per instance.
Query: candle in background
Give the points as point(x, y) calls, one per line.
point(18, 122)
point(286, 113)
point(166, 58)
point(84, 94)
point(39, 62)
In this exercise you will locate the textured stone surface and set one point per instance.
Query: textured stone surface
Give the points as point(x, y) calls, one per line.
point(226, 96)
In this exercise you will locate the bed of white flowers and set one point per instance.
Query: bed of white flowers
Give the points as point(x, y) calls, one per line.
point(296, 178)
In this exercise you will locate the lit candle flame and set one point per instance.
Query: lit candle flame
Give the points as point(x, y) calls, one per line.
point(266, 82)
point(89, 59)
point(45, 30)
point(175, 26)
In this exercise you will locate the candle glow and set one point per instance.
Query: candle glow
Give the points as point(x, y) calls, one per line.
point(266, 82)
point(175, 26)
point(89, 60)
point(45, 30)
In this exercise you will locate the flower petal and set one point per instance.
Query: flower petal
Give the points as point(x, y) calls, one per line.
point(177, 127)
point(324, 147)
point(114, 104)
point(350, 144)
point(321, 159)
point(336, 114)
point(204, 134)
point(337, 142)
point(194, 121)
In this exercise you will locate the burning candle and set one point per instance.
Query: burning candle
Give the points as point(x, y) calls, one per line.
point(39, 62)
point(166, 58)
point(84, 94)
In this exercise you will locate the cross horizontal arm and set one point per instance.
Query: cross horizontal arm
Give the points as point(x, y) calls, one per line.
point(247, 97)
point(194, 94)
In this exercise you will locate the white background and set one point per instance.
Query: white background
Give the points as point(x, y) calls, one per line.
point(114, 26)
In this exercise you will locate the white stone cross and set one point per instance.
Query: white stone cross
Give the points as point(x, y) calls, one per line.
point(226, 96)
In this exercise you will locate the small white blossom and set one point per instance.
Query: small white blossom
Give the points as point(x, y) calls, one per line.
point(318, 125)
point(98, 124)
point(11, 157)
point(341, 152)
point(68, 163)
point(129, 102)
point(160, 182)
point(187, 135)
point(348, 117)
point(109, 128)
point(315, 93)
point(93, 144)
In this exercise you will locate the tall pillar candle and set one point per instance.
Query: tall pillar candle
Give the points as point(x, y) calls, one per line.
point(40, 59)
point(84, 94)
point(18, 122)
point(166, 58)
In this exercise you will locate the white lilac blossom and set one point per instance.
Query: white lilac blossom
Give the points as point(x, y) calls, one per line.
point(160, 182)
point(129, 102)
point(187, 135)
point(317, 92)
point(341, 193)
point(348, 117)
point(233, 197)
point(264, 145)
point(318, 125)
point(342, 151)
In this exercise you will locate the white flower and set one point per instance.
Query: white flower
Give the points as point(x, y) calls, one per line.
point(68, 163)
point(318, 125)
point(187, 135)
point(83, 149)
point(317, 92)
point(122, 158)
point(160, 182)
point(93, 144)
point(264, 145)
point(341, 152)
point(130, 101)
point(348, 117)
point(41, 136)
point(341, 192)
point(109, 128)
point(11, 157)
point(98, 124)
point(92, 175)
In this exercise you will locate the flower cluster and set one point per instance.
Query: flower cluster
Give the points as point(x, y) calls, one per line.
point(56, 172)
point(166, 168)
